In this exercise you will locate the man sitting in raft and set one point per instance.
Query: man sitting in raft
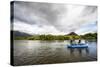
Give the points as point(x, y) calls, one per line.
point(72, 42)
point(81, 42)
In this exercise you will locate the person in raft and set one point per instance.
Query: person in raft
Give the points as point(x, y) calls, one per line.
point(72, 42)
point(79, 42)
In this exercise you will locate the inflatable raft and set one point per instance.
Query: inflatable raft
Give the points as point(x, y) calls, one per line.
point(77, 46)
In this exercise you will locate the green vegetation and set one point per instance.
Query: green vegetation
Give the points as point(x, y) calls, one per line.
point(89, 36)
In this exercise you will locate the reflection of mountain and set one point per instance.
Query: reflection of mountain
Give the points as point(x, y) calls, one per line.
point(18, 33)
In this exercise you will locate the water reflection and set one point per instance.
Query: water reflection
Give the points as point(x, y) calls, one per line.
point(80, 51)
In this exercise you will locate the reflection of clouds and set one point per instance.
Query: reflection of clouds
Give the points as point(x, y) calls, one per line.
point(52, 18)
point(32, 46)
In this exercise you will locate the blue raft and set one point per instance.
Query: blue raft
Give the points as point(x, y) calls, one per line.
point(77, 46)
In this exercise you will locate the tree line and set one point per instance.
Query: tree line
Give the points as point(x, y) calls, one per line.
point(88, 36)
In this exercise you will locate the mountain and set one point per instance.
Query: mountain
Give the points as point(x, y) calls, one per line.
point(18, 33)
point(72, 33)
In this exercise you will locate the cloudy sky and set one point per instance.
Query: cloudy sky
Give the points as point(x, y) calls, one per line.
point(50, 18)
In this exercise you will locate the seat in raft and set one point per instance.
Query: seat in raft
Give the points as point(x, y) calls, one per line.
point(77, 46)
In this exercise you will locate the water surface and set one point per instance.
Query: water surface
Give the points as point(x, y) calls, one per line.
point(29, 52)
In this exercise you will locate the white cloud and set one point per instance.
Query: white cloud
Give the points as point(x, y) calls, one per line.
point(87, 28)
point(73, 19)
point(47, 18)
point(35, 29)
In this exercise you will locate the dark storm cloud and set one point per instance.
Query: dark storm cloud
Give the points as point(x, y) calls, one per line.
point(89, 10)
point(34, 13)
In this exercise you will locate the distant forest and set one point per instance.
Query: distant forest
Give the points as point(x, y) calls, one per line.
point(72, 35)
